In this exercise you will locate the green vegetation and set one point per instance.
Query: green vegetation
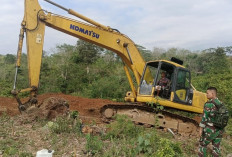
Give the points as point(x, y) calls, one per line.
point(64, 125)
point(89, 71)
point(127, 139)
point(123, 128)
point(8, 145)
point(93, 145)
point(63, 135)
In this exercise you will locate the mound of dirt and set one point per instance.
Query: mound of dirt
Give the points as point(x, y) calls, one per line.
point(51, 104)
point(49, 109)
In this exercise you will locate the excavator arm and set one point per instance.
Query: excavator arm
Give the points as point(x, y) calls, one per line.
point(33, 25)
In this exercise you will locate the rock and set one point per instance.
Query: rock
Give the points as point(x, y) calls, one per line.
point(87, 130)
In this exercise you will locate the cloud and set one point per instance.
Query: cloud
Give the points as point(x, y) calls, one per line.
point(192, 24)
point(10, 20)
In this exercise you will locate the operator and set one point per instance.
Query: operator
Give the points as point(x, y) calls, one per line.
point(208, 132)
point(162, 83)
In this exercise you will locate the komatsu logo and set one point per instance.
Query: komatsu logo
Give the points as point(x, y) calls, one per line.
point(84, 31)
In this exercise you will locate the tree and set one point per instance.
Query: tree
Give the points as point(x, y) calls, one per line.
point(86, 52)
point(214, 61)
point(144, 52)
point(157, 52)
point(9, 59)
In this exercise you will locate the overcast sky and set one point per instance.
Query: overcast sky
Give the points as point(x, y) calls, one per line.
point(189, 24)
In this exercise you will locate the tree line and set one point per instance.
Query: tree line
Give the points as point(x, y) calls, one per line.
point(90, 71)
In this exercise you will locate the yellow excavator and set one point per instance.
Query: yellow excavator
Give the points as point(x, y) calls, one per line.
point(177, 94)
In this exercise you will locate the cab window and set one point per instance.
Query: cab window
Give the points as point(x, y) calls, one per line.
point(183, 89)
point(147, 82)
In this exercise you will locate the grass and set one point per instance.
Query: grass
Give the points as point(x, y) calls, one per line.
point(123, 138)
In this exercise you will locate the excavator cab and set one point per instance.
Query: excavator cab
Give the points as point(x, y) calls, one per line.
point(176, 86)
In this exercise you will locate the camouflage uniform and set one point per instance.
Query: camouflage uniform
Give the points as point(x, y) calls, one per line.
point(210, 133)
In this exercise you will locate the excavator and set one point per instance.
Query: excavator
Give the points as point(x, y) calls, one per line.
point(144, 101)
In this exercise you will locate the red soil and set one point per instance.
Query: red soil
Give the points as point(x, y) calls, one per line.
point(88, 108)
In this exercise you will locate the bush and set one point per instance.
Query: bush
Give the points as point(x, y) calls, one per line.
point(147, 143)
point(121, 147)
point(65, 125)
point(123, 127)
point(10, 151)
point(61, 125)
point(94, 144)
point(168, 149)
point(5, 88)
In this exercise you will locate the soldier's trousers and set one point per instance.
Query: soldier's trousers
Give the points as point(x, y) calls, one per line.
point(210, 134)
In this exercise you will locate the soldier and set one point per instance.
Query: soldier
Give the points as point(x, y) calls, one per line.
point(208, 132)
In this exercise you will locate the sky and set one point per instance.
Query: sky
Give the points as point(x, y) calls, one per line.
point(188, 24)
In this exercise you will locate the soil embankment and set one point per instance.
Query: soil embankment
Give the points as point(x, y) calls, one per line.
point(89, 109)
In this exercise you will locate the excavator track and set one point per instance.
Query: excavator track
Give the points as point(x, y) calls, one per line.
point(152, 116)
